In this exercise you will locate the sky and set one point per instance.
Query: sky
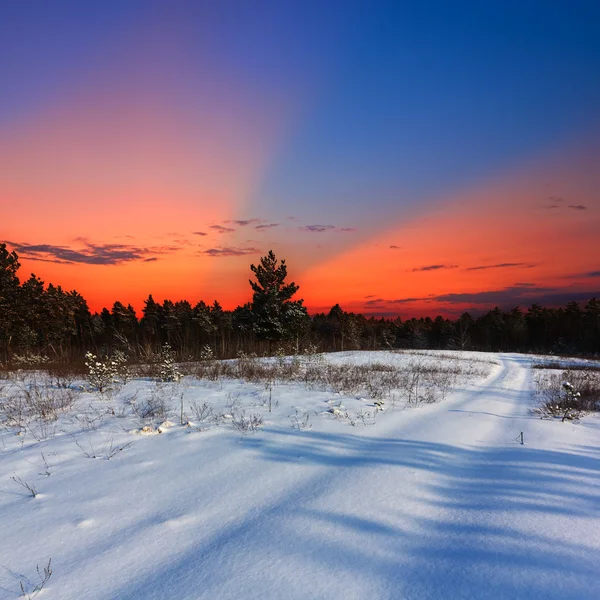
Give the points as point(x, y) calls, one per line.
point(404, 158)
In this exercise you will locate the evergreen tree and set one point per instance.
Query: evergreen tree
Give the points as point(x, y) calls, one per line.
point(150, 321)
point(9, 291)
point(275, 315)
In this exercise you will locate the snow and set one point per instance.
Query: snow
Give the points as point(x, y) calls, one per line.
point(435, 501)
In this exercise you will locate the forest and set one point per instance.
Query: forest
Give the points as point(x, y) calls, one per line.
point(44, 323)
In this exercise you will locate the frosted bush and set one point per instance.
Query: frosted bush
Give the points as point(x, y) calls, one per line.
point(119, 359)
point(101, 373)
point(168, 368)
point(207, 353)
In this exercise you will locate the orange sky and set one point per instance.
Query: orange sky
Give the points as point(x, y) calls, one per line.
point(529, 239)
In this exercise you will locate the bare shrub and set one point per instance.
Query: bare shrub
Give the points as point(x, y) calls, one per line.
point(93, 417)
point(156, 406)
point(202, 414)
point(106, 451)
point(300, 420)
point(31, 402)
point(43, 576)
point(62, 378)
point(568, 394)
point(28, 486)
point(233, 403)
point(45, 402)
point(246, 424)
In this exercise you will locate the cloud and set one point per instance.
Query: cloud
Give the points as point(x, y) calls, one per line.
point(266, 226)
point(524, 294)
point(408, 300)
point(199, 233)
point(229, 251)
point(370, 296)
point(519, 295)
point(500, 266)
point(554, 202)
point(89, 254)
point(381, 301)
point(323, 228)
point(244, 222)
point(588, 274)
point(435, 267)
point(317, 228)
point(221, 229)
point(393, 247)
point(577, 206)
point(375, 301)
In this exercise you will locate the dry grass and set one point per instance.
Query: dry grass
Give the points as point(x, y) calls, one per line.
point(33, 402)
point(418, 380)
point(553, 366)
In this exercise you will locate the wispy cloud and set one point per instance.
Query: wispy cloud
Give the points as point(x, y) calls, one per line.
point(221, 229)
point(229, 251)
point(317, 228)
point(522, 294)
point(435, 267)
point(500, 266)
point(266, 226)
point(515, 296)
point(384, 302)
point(324, 228)
point(555, 202)
point(244, 222)
point(585, 275)
point(393, 247)
point(90, 253)
point(577, 206)
point(199, 233)
point(511, 295)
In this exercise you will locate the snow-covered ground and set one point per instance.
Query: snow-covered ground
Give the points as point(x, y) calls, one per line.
point(329, 499)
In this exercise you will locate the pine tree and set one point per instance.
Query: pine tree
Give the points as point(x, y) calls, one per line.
point(151, 318)
point(275, 315)
point(9, 290)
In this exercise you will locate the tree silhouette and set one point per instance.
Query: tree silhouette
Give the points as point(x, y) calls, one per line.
point(275, 315)
point(9, 292)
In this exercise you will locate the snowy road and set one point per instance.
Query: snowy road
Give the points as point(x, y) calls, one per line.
point(440, 501)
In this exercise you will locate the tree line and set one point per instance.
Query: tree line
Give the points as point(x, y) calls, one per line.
point(39, 320)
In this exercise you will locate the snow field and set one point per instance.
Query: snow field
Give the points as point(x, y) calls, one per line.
point(438, 501)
